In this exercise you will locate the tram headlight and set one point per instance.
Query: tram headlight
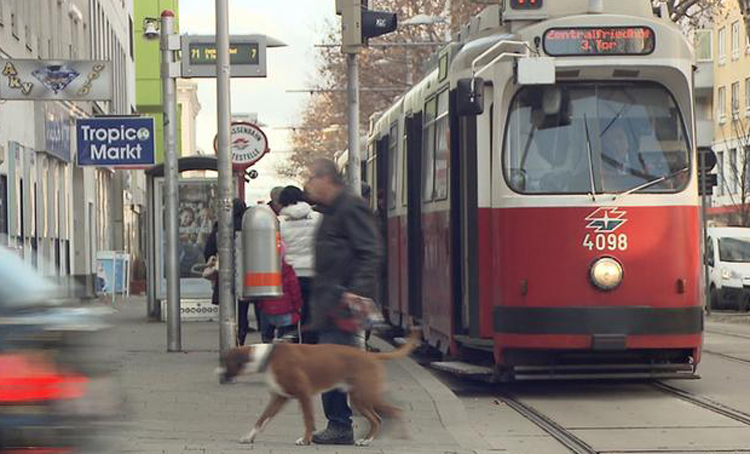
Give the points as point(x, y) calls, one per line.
point(606, 273)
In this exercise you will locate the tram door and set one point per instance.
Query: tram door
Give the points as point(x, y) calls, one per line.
point(380, 205)
point(414, 213)
point(472, 184)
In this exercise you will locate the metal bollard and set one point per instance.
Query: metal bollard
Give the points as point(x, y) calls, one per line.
point(261, 244)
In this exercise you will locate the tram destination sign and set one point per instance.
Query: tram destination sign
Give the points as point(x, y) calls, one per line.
point(599, 41)
point(247, 55)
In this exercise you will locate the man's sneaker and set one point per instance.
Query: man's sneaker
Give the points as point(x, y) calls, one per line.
point(333, 435)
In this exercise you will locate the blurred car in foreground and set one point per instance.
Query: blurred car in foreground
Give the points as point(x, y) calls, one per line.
point(57, 391)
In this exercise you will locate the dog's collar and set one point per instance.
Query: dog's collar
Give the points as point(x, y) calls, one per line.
point(261, 357)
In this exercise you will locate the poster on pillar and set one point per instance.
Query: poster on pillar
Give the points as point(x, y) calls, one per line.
point(115, 141)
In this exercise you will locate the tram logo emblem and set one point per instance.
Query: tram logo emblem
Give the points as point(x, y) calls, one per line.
point(606, 220)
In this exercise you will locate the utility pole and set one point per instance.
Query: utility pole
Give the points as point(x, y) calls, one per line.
point(171, 177)
point(352, 117)
point(358, 24)
point(227, 307)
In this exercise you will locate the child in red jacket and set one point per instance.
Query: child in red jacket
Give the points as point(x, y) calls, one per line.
point(279, 316)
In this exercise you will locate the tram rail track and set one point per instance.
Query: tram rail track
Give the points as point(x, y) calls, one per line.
point(548, 425)
point(704, 402)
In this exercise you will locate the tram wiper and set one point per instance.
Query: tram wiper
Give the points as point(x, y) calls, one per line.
point(590, 157)
point(650, 183)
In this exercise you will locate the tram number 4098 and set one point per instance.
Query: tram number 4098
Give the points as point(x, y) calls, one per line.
point(606, 242)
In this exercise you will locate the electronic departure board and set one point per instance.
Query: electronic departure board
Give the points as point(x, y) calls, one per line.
point(247, 55)
point(599, 41)
point(239, 54)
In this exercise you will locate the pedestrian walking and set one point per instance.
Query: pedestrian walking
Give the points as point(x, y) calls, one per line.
point(279, 317)
point(347, 260)
point(298, 225)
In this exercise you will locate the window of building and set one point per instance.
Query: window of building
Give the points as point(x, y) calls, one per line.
point(733, 171)
point(736, 40)
point(735, 99)
point(703, 48)
point(722, 39)
point(130, 30)
point(74, 38)
point(721, 183)
point(14, 24)
point(722, 105)
point(27, 24)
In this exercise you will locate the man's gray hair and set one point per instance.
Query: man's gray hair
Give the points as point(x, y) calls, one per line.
point(322, 168)
point(275, 193)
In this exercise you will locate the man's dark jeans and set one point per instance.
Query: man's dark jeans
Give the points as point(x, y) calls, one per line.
point(335, 403)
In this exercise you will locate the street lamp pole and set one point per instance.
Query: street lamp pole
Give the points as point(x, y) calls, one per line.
point(227, 308)
point(352, 85)
point(171, 177)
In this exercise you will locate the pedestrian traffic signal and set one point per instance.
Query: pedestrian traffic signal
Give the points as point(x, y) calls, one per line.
point(706, 183)
point(358, 24)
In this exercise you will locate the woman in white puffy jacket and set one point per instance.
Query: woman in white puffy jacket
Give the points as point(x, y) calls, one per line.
point(299, 223)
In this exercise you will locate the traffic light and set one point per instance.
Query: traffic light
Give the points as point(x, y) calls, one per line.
point(706, 183)
point(706, 163)
point(526, 4)
point(358, 23)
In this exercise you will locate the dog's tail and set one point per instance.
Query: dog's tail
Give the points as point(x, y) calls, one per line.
point(402, 352)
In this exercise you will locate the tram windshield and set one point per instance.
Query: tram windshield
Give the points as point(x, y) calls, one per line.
point(603, 138)
point(734, 250)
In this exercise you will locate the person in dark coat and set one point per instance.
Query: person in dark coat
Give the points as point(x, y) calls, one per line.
point(347, 263)
point(211, 249)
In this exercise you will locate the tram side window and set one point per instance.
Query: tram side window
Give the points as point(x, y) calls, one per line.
point(405, 167)
point(392, 166)
point(442, 148)
point(428, 151)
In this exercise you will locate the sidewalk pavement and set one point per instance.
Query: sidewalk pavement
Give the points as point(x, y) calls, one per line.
point(175, 404)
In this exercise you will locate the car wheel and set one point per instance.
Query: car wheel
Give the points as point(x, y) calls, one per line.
point(715, 299)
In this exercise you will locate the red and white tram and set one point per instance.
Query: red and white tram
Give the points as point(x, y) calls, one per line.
point(539, 197)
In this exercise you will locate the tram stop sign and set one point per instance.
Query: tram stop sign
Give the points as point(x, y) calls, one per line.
point(248, 144)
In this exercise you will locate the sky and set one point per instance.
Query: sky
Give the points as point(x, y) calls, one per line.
point(298, 23)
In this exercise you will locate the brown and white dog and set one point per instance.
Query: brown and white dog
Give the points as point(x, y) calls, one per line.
point(299, 371)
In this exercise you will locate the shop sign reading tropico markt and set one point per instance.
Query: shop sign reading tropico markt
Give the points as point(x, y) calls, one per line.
point(248, 144)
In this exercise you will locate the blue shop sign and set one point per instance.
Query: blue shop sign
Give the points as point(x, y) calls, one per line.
point(115, 141)
point(57, 123)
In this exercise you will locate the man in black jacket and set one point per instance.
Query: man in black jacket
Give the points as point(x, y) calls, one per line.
point(347, 260)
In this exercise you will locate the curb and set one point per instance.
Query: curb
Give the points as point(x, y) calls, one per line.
point(450, 409)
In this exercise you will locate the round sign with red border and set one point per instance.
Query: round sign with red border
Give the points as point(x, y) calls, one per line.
point(248, 144)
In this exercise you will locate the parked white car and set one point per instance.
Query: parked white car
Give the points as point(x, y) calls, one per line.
point(728, 258)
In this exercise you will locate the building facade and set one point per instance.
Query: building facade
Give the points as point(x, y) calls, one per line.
point(58, 215)
point(731, 116)
point(148, 66)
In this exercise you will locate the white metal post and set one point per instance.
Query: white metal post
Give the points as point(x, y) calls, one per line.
point(227, 308)
point(171, 178)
